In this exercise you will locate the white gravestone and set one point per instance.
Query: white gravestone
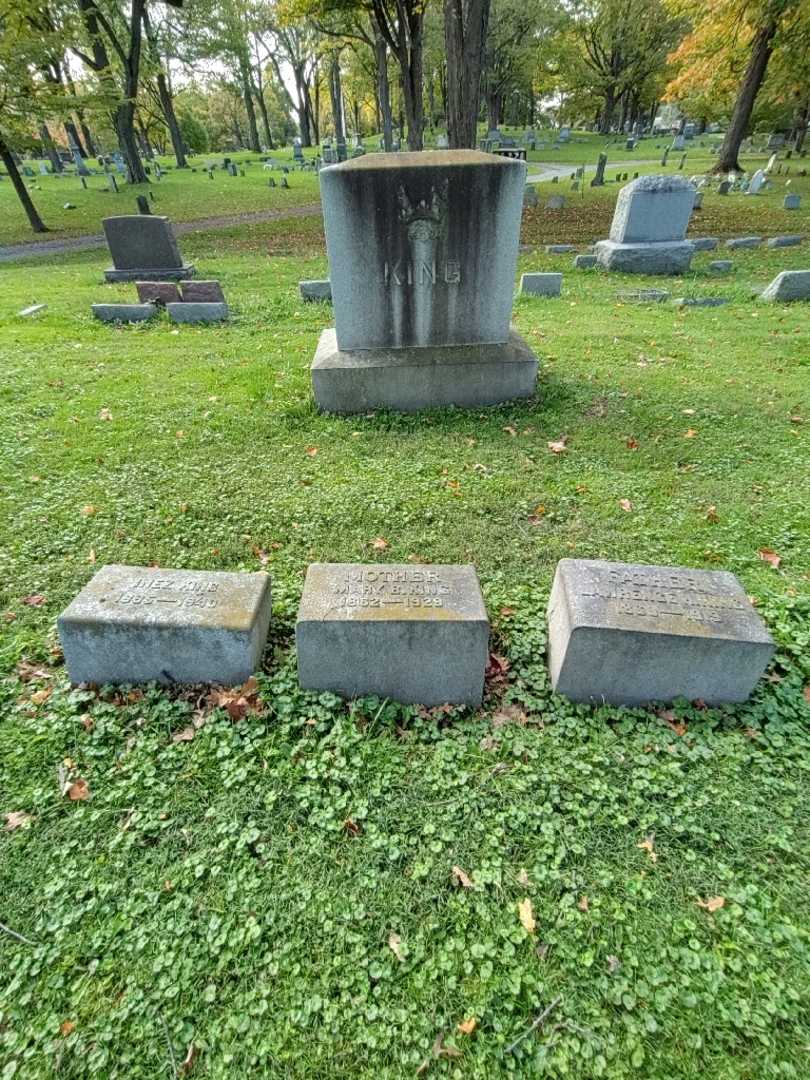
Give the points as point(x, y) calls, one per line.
point(649, 226)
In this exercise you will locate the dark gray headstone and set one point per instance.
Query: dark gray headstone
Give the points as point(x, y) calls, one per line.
point(143, 248)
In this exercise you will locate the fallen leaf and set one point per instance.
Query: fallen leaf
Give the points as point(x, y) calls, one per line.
point(631, 444)
point(527, 915)
point(583, 903)
point(89, 510)
point(66, 1027)
point(351, 827)
point(440, 1050)
point(27, 671)
point(395, 945)
point(497, 666)
point(523, 879)
point(488, 743)
point(461, 878)
point(78, 791)
point(186, 735)
point(558, 446)
point(711, 515)
point(180, 434)
point(380, 544)
point(189, 1060)
point(647, 845)
point(510, 430)
point(261, 555)
point(91, 555)
point(105, 414)
point(768, 555)
point(87, 721)
point(714, 903)
point(16, 819)
point(311, 451)
point(688, 412)
point(806, 693)
point(507, 611)
point(34, 600)
point(39, 697)
point(626, 505)
point(509, 714)
point(690, 434)
point(467, 1027)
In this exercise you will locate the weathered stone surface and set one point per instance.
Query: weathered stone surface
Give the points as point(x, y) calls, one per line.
point(143, 248)
point(744, 242)
point(785, 241)
point(668, 257)
point(643, 296)
point(123, 312)
point(197, 313)
point(158, 292)
point(414, 634)
point(629, 634)
point(540, 284)
point(422, 247)
point(202, 292)
point(704, 243)
point(758, 181)
point(560, 249)
point(720, 266)
point(135, 624)
point(316, 291)
point(530, 196)
point(584, 262)
point(700, 301)
point(349, 381)
point(792, 202)
point(556, 202)
point(789, 285)
point(652, 209)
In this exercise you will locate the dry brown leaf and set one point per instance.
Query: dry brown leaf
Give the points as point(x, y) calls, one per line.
point(440, 1050)
point(105, 414)
point(647, 845)
point(626, 505)
point(189, 1060)
point(632, 444)
point(806, 693)
point(690, 434)
point(558, 446)
point(186, 735)
point(89, 510)
point(34, 600)
point(768, 555)
point(312, 451)
point(66, 1027)
point(16, 819)
point(582, 903)
point(351, 827)
point(510, 430)
point(91, 555)
point(509, 714)
point(380, 544)
point(523, 879)
point(39, 697)
point(78, 791)
point(87, 721)
point(27, 672)
point(461, 878)
point(395, 945)
point(711, 515)
point(714, 903)
point(527, 915)
point(467, 1027)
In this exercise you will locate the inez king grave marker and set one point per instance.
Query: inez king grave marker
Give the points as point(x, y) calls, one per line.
point(415, 634)
point(629, 634)
point(133, 624)
point(422, 255)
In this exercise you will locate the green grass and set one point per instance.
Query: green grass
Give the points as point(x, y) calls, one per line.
point(181, 194)
point(237, 893)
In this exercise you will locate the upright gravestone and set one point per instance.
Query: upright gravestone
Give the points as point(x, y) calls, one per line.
point(792, 202)
point(599, 179)
point(678, 143)
point(758, 181)
point(422, 255)
point(648, 234)
point(442, 141)
point(134, 624)
point(143, 248)
point(628, 634)
point(414, 634)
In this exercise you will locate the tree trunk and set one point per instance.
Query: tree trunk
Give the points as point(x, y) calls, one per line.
point(167, 105)
point(465, 32)
point(89, 144)
point(801, 126)
point(336, 96)
point(304, 108)
point(761, 48)
point(124, 122)
point(247, 96)
point(6, 156)
point(653, 114)
point(49, 147)
point(383, 88)
point(73, 137)
point(268, 134)
point(493, 109)
point(606, 119)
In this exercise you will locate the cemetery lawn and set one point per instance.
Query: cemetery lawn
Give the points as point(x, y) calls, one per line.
point(285, 885)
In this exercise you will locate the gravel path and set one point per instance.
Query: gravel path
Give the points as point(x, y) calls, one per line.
point(14, 252)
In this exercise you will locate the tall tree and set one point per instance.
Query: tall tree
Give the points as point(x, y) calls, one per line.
point(465, 32)
point(164, 91)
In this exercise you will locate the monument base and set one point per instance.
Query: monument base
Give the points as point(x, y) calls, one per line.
point(173, 273)
point(421, 378)
point(661, 257)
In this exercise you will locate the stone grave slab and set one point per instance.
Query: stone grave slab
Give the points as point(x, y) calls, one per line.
point(627, 634)
point(720, 266)
point(788, 286)
point(704, 243)
point(123, 312)
point(194, 312)
point(158, 292)
point(536, 284)
point(143, 248)
point(315, 291)
point(744, 242)
point(133, 624)
point(414, 634)
point(202, 292)
point(584, 262)
point(647, 235)
point(785, 241)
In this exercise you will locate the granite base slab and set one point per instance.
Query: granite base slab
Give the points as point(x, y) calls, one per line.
point(410, 379)
point(145, 273)
point(664, 257)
